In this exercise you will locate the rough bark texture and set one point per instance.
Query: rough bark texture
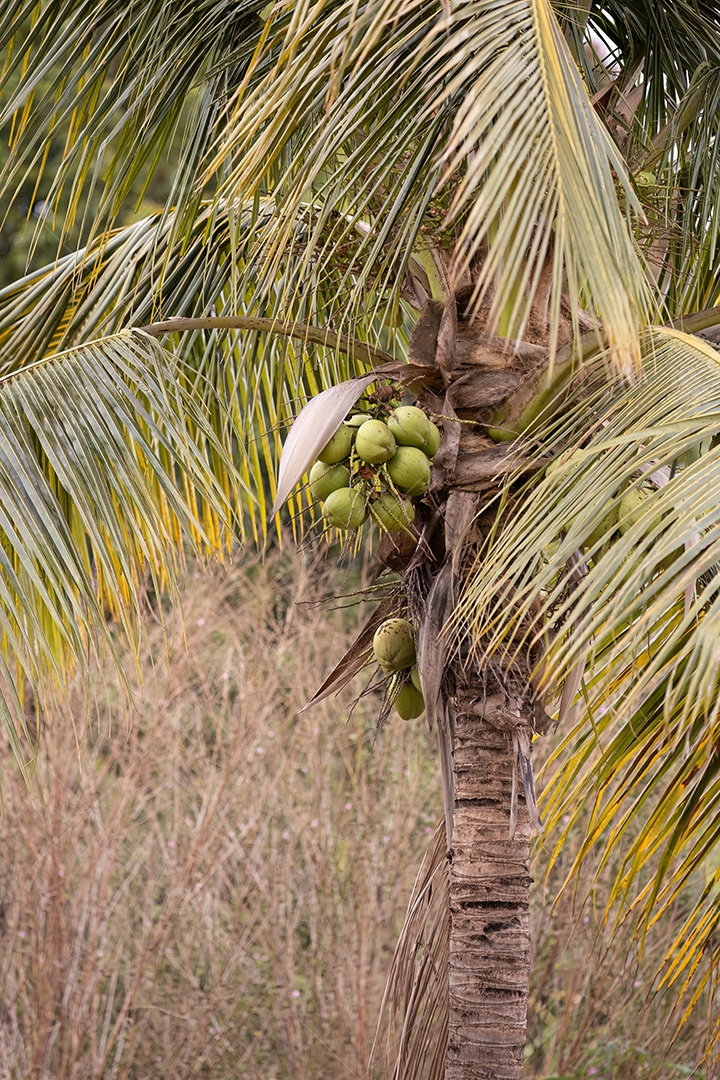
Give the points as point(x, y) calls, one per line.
point(489, 903)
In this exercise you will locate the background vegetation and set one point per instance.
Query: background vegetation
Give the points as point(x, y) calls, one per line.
point(213, 887)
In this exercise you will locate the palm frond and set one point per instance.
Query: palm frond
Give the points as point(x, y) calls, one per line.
point(537, 174)
point(111, 462)
point(653, 72)
point(369, 118)
point(643, 622)
point(667, 41)
point(668, 419)
point(119, 85)
point(687, 198)
point(143, 274)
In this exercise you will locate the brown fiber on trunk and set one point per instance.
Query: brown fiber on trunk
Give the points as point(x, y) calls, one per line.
point(489, 903)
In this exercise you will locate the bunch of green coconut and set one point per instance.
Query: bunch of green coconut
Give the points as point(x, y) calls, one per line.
point(394, 650)
point(374, 467)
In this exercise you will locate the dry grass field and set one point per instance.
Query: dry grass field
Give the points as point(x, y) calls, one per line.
point(212, 884)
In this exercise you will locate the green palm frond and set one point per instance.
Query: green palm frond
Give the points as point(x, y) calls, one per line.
point(667, 41)
point(119, 85)
point(111, 462)
point(654, 71)
point(133, 276)
point(690, 164)
point(142, 274)
point(369, 117)
point(539, 173)
point(669, 419)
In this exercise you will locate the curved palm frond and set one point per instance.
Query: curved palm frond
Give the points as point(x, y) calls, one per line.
point(641, 623)
point(375, 122)
point(667, 41)
point(667, 420)
point(653, 71)
point(112, 460)
point(143, 274)
point(135, 275)
point(119, 85)
point(690, 165)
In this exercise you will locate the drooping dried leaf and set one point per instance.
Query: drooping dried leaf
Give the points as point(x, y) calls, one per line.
point(446, 355)
point(431, 656)
point(414, 376)
point(479, 470)
point(522, 746)
point(431, 647)
point(481, 389)
point(447, 455)
point(356, 656)
point(460, 510)
point(424, 338)
point(312, 430)
point(414, 1010)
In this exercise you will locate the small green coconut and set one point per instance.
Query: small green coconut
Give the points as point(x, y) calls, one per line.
point(409, 470)
point(338, 447)
point(394, 645)
point(572, 461)
point(358, 420)
point(632, 508)
point(345, 508)
point(409, 703)
point(433, 443)
point(645, 178)
point(410, 426)
point(415, 678)
point(391, 513)
point(374, 442)
point(324, 479)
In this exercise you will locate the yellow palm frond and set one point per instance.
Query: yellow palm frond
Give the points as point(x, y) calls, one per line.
point(365, 117)
point(111, 467)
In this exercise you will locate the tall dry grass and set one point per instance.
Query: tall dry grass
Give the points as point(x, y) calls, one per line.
point(216, 890)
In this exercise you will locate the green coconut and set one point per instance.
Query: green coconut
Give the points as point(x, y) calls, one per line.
point(374, 442)
point(409, 703)
point(632, 507)
point(409, 470)
point(415, 678)
point(645, 178)
point(391, 513)
point(604, 528)
point(338, 447)
point(345, 508)
point(325, 479)
point(572, 461)
point(358, 420)
point(433, 443)
point(410, 426)
point(394, 645)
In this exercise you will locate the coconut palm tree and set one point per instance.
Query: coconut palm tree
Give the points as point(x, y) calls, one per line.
point(510, 209)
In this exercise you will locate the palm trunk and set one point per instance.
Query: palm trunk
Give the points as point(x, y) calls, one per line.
point(489, 898)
